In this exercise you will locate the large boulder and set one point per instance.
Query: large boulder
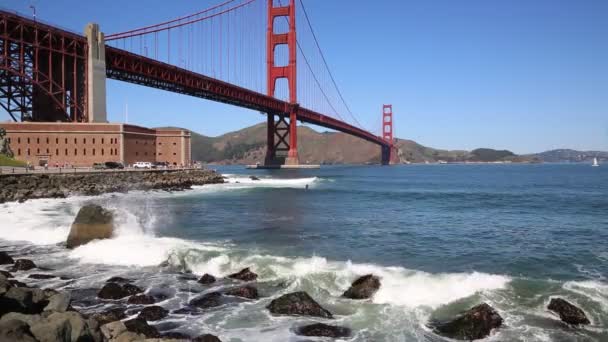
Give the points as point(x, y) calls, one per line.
point(23, 300)
point(244, 275)
point(6, 274)
point(23, 265)
point(476, 323)
point(208, 300)
point(92, 222)
point(65, 326)
point(248, 292)
point(109, 316)
point(116, 291)
point(207, 279)
point(323, 330)
point(16, 331)
point(5, 259)
point(5, 284)
point(568, 312)
point(58, 302)
point(140, 326)
point(297, 303)
point(363, 288)
point(141, 300)
point(207, 338)
point(153, 313)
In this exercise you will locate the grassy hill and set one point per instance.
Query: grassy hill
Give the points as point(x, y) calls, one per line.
point(6, 161)
point(248, 146)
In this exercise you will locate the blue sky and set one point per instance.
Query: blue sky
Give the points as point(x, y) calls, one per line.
point(520, 75)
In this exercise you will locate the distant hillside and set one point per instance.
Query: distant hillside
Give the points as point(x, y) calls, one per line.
point(572, 156)
point(248, 146)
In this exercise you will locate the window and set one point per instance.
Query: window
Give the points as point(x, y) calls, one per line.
point(38, 151)
point(18, 151)
point(115, 151)
point(146, 153)
point(84, 151)
point(84, 140)
point(102, 152)
point(160, 153)
point(47, 140)
point(174, 153)
point(102, 140)
point(66, 141)
point(160, 143)
point(56, 140)
point(66, 151)
point(93, 140)
point(136, 153)
point(93, 151)
point(28, 140)
point(28, 151)
point(136, 142)
point(174, 144)
point(47, 151)
point(75, 152)
point(37, 140)
point(18, 140)
point(56, 151)
point(74, 140)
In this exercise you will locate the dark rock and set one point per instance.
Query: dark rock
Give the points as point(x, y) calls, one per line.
point(476, 323)
point(254, 178)
point(323, 330)
point(116, 291)
point(208, 300)
point(17, 283)
point(244, 275)
point(23, 300)
point(297, 303)
point(192, 311)
point(568, 312)
point(109, 316)
point(16, 331)
point(248, 292)
point(120, 280)
point(153, 313)
point(207, 279)
point(363, 288)
point(174, 335)
point(92, 222)
point(6, 274)
point(207, 338)
point(65, 326)
point(140, 326)
point(41, 276)
point(5, 259)
point(141, 300)
point(23, 265)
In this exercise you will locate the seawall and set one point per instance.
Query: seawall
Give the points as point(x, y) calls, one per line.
point(21, 187)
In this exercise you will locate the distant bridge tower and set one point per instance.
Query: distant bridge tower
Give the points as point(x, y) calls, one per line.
point(282, 136)
point(388, 153)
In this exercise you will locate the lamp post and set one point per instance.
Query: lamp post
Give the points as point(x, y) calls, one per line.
point(34, 11)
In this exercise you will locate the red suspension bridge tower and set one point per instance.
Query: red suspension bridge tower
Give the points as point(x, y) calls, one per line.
point(389, 153)
point(282, 136)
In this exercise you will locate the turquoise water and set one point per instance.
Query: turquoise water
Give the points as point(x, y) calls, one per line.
point(441, 237)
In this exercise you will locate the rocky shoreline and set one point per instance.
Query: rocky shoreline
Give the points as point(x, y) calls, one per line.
point(24, 187)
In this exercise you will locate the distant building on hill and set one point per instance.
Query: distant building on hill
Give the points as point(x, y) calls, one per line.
point(83, 144)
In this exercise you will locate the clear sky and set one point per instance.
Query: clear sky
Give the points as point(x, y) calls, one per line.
point(521, 75)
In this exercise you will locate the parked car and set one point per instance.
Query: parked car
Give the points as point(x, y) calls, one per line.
point(114, 165)
point(99, 166)
point(161, 165)
point(142, 165)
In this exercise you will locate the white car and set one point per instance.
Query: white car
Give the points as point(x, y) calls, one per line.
point(142, 165)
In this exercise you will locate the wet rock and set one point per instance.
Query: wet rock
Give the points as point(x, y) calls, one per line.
point(6, 274)
point(109, 316)
point(174, 335)
point(207, 338)
point(208, 300)
point(476, 323)
point(6, 259)
point(244, 275)
point(153, 313)
point(297, 303)
point(92, 222)
point(363, 288)
point(23, 300)
point(41, 276)
point(248, 292)
point(568, 312)
point(116, 291)
point(119, 280)
point(16, 331)
point(111, 331)
point(23, 265)
point(141, 300)
point(207, 279)
point(254, 178)
point(140, 326)
point(191, 311)
point(17, 283)
point(323, 330)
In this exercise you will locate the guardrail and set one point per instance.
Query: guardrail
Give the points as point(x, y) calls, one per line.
point(9, 170)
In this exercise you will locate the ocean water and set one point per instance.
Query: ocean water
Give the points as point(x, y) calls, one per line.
point(442, 238)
